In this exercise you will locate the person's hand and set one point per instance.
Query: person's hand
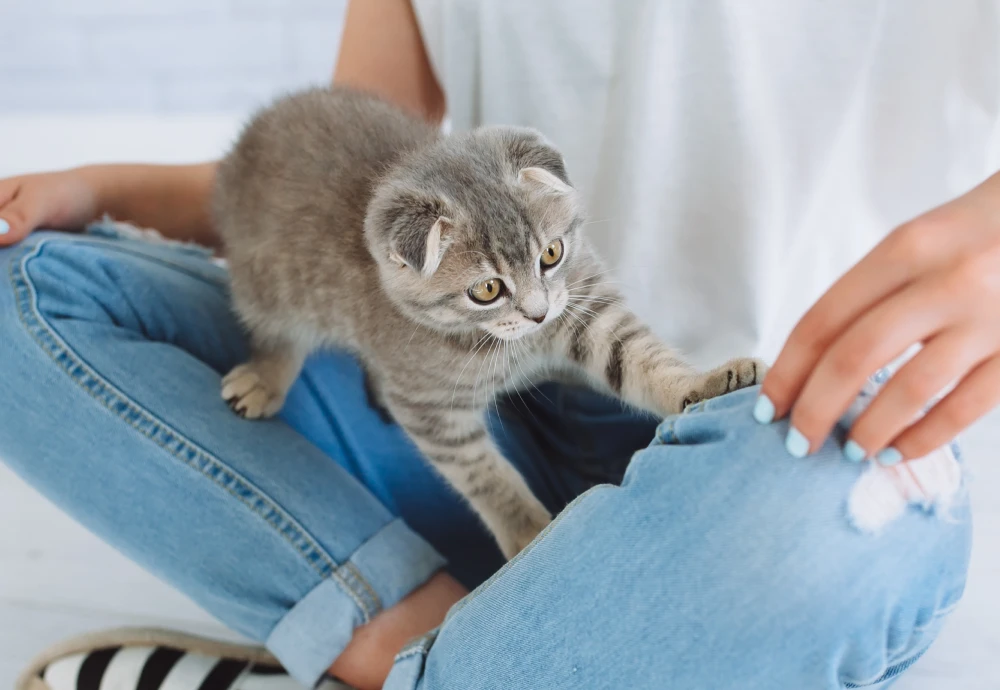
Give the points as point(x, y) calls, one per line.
point(935, 281)
point(63, 200)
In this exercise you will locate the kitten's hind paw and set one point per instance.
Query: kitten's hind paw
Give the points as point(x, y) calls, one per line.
point(249, 395)
point(731, 376)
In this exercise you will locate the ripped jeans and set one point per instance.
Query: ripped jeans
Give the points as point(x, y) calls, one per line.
point(708, 559)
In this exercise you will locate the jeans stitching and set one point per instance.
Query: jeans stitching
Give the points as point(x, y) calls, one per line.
point(411, 653)
point(364, 583)
point(167, 438)
point(420, 646)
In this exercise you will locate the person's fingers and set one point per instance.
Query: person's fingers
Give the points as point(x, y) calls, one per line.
point(974, 396)
point(8, 189)
point(942, 361)
point(879, 336)
point(908, 252)
point(19, 215)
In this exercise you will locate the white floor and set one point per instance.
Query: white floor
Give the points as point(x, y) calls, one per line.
point(58, 580)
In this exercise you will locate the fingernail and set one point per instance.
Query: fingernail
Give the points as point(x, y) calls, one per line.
point(796, 444)
point(4, 227)
point(763, 410)
point(889, 456)
point(854, 452)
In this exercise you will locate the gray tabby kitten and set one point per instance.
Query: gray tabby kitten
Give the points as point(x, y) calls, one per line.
point(454, 268)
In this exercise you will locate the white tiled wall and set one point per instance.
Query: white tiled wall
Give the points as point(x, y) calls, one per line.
point(161, 56)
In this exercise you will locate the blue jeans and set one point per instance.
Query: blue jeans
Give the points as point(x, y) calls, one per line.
point(719, 562)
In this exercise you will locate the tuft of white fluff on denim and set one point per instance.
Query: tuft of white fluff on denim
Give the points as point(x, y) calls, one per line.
point(932, 483)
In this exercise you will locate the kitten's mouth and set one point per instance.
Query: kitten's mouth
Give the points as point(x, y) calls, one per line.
point(511, 334)
point(513, 331)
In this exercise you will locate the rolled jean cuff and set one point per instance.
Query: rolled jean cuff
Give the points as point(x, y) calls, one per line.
point(386, 568)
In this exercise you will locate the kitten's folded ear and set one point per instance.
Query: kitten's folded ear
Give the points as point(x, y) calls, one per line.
point(417, 230)
point(527, 149)
point(542, 181)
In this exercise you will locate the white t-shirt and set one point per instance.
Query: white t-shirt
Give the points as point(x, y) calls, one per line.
point(736, 157)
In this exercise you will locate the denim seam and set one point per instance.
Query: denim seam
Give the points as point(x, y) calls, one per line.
point(168, 438)
point(418, 651)
point(419, 646)
point(361, 578)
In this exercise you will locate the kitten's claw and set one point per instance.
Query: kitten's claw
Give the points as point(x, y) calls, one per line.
point(731, 376)
point(249, 395)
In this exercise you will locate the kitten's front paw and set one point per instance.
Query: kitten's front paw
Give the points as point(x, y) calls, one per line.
point(249, 394)
point(731, 376)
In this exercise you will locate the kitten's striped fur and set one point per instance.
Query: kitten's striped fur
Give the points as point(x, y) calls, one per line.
point(347, 223)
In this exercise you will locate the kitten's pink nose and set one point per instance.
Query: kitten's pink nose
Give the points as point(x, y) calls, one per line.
point(538, 319)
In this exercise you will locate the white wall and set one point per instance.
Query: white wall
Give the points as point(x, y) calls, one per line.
point(161, 56)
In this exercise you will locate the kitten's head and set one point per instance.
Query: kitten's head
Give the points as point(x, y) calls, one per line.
point(478, 232)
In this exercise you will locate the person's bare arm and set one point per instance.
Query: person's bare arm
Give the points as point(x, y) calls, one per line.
point(382, 51)
point(174, 199)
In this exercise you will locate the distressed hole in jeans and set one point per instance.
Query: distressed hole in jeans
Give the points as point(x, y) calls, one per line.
point(881, 494)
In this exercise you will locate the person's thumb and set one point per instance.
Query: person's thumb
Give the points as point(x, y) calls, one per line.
point(17, 219)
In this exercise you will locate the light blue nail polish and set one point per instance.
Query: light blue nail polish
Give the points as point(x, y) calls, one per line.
point(4, 227)
point(796, 444)
point(763, 410)
point(889, 456)
point(854, 452)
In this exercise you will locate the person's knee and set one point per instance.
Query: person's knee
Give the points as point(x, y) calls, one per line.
point(775, 532)
point(48, 272)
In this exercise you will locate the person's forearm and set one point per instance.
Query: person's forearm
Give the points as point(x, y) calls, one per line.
point(173, 199)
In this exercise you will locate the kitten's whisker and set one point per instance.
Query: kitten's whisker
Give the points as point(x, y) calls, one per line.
point(478, 346)
point(594, 298)
point(590, 277)
point(525, 351)
point(596, 281)
point(586, 290)
point(479, 372)
point(517, 388)
point(594, 315)
point(585, 310)
point(586, 326)
point(493, 376)
point(592, 331)
point(513, 383)
point(415, 329)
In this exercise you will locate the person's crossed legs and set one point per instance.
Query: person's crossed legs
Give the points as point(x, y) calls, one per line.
point(720, 562)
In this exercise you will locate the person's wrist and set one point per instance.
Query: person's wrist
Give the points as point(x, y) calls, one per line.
point(97, 183)
point(366, 661)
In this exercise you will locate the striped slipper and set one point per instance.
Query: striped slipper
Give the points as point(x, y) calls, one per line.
point(149, 659)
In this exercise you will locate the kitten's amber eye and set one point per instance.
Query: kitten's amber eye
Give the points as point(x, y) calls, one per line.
point(552, 254)
point(486, 291)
